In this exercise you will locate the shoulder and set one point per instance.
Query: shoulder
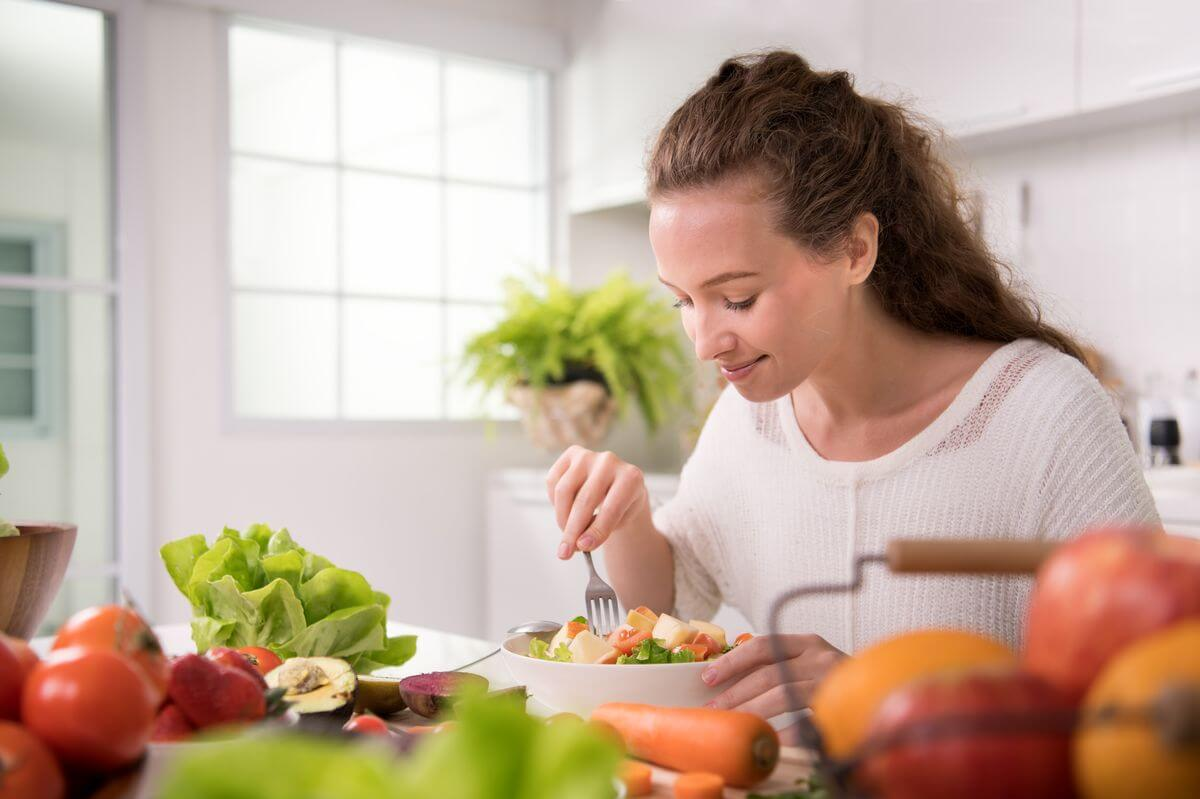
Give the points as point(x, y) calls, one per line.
point(1038, 376)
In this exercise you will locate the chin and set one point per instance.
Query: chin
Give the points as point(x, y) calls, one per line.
point(755, 393)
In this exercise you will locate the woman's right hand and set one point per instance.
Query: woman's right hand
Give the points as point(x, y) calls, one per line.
point(594, 494)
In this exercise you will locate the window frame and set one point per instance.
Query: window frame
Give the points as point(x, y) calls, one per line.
point(543, 112)
point(128, 286)
point(48, 243)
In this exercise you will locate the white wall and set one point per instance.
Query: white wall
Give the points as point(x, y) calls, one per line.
point(1110, 238)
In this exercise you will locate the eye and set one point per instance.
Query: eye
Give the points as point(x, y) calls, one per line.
point(683, 302)
point(742, 305)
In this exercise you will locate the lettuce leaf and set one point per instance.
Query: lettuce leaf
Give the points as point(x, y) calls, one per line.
point(260, 588)
point(541, 650)
point(648, 651)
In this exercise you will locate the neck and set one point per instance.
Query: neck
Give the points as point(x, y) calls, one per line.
point(876, 370)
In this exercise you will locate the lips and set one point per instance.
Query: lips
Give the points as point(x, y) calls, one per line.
point(738, 371)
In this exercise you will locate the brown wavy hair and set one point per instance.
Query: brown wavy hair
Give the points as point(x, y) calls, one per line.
point(825, 154)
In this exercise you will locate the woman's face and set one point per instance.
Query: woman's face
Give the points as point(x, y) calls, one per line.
point(767, 310)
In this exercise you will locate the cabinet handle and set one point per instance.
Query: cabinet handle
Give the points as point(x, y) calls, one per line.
point(1163, 79)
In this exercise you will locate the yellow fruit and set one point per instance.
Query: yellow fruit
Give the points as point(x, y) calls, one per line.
point(1124, 758)
point(847, 698)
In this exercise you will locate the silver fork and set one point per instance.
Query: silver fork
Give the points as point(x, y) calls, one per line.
point(604, 614)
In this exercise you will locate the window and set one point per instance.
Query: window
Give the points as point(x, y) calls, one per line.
point(30, 360)
point(58, 292)
point(379, 195)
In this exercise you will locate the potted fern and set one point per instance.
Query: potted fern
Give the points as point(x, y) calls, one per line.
point(572, 360)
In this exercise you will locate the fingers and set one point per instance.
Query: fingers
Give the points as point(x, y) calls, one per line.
point(752, 687)
point(595, 488)
point(781, 698)
point(558, 470)
point(562, 494)
point(624, 492)
point(759, 651)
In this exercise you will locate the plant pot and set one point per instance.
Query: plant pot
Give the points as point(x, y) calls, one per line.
point(555, 417)
point(32, 566)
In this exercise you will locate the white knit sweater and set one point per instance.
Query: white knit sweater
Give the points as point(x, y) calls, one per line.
point(1031, 448)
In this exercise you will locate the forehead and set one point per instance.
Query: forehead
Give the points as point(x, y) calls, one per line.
point(727, 226)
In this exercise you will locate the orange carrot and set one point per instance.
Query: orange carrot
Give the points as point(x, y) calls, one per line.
point(574, 628)
point(739, 747)
point(637, 777)
point(699, 785)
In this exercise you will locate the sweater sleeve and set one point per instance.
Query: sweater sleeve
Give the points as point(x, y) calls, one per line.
point(689, 528)
point(1091, 474)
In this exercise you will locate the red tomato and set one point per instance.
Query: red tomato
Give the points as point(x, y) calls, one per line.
point(23, 651)
point(261, 658)
point(366, 724)
point(710, 645)
point(12, 676)
point(120, 628)
point(27, 768)
point(91, 706)
point(624, 639)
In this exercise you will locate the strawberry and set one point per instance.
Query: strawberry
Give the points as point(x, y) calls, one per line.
point(171, 725)
point(194, 684)
point(236, 660)
point(240, 697)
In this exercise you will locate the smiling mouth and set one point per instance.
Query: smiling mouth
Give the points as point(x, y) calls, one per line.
point(741, 367)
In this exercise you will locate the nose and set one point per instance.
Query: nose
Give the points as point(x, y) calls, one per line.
point(710, 338)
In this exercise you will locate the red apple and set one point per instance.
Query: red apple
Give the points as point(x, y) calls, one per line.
point(1099, 593)
point(981, 733)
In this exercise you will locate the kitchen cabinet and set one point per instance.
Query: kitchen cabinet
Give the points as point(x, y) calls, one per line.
point(525, 580)
point(633, 63)
point(973, 64)
point(1130, 51)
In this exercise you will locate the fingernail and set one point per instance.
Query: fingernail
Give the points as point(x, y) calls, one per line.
point(709, 676)
point(586, 542)
point(564, 550)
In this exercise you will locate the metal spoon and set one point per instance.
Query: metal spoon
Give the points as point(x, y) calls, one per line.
point(529, 627)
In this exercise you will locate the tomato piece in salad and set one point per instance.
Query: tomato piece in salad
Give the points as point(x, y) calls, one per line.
point(625, 638)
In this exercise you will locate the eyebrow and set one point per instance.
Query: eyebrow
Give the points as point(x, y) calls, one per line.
point(724, 277)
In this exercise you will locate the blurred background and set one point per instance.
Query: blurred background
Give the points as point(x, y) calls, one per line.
point(244, 243)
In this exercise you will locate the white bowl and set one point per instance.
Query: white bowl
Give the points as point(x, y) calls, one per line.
point(579, 688)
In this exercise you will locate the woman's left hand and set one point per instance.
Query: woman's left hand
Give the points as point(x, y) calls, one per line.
point(757, 683)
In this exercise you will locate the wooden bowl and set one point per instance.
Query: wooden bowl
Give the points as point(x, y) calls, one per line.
point(32, 566)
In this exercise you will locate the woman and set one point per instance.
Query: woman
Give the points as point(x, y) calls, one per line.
point(886, 381)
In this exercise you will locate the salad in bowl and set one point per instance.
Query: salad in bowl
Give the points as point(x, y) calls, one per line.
point(645, 638)
point(573, 670)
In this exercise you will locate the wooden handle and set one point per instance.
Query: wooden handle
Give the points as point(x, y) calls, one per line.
point(967, 556)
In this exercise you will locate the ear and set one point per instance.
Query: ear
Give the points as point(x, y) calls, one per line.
point(862, 247)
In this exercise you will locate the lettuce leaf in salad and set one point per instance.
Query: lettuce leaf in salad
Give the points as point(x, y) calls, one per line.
point(651, 651)
point(260, 588)
point(541, 650)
